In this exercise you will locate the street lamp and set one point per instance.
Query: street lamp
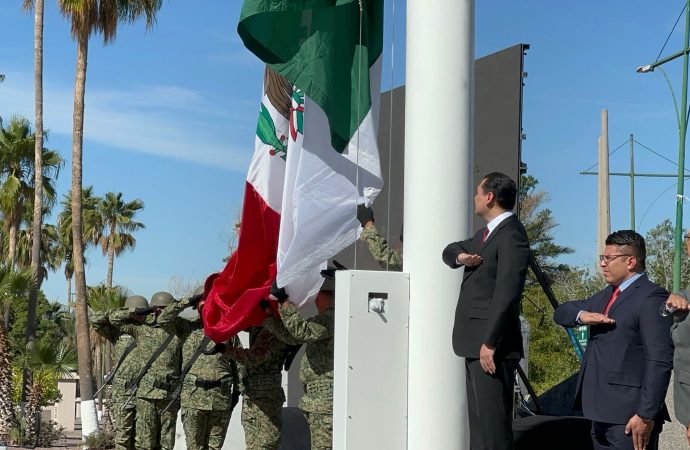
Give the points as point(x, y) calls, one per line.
point(682, 129)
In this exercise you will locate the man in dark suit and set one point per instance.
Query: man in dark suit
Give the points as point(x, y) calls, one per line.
point(625, 371)
point(487, 323)
point(678, 305)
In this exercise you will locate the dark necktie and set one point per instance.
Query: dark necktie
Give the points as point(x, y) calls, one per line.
point(485, 235)
point(614, 296)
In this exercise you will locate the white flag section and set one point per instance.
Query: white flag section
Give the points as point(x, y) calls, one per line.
point(321, 192)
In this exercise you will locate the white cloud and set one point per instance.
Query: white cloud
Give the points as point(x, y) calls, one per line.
point(169, 121)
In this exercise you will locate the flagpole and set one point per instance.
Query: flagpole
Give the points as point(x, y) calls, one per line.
point(438, 210)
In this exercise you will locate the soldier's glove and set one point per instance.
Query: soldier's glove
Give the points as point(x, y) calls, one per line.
point(144, 311)
point(234, 399)
point(218, 348)
point(279, 293)
point(364, 214)
point(194, 300)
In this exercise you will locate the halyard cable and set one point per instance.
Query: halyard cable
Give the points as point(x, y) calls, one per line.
point(390, 143)
point(359, 125)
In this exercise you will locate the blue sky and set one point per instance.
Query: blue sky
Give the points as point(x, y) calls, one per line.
point(171, 116)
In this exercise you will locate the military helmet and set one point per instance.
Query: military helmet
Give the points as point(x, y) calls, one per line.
point(136, 301)
point(161, 299)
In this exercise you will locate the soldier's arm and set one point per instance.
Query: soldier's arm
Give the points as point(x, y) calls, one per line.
point(379, 248)
point(101, 325)
point(168, 318)
point(277, 328)
point(265, 346)
point(301, 329)
point(122, 319)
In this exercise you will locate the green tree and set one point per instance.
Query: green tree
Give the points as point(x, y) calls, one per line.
point(660, 250)
point(92, 227)
point(17, 170)
point(13, 286)
point(88, 17)
point(540, 224)
point(37, 221)
point(118, 221)
point(551, 357)
point(48, 363)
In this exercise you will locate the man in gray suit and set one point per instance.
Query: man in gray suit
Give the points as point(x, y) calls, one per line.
point(678, 305)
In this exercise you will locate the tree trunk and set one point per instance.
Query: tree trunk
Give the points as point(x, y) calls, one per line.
point(38, 191)
point(111, 262)
point(7, 419)
point(12, 245)
point(98, 363)
point(88, 406)
point(69, 290)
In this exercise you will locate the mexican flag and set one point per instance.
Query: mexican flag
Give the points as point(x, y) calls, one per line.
point(311, 166)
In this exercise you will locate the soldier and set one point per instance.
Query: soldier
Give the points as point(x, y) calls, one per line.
point(378, 246)
point(129, 359)
point(209, 389)
point(263, 396)
point(316, 368)
point(157, 378)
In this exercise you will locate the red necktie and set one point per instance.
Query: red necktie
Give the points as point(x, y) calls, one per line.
point(485, 235)
point(614, 296)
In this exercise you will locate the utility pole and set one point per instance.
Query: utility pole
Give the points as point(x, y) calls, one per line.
point(604, 223)
point(632, 182)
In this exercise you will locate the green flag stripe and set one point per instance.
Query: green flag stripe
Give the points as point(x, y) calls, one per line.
point(315, 44)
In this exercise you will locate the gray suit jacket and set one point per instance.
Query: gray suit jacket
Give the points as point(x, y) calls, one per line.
point(680, 333)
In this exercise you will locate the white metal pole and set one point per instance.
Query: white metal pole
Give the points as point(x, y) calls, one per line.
point(438, 210)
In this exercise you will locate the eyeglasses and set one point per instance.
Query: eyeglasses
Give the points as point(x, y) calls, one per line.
point(608, 258)
point(686, 237)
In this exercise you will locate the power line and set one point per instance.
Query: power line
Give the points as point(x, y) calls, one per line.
point(669, 35)
point(610, 153)
point(658, 154)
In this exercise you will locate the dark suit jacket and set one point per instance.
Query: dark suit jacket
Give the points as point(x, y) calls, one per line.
point(680, 333)
point(627, 365)
point(488, 310)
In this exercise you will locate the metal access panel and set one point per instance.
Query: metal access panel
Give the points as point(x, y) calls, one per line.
point(370, 360)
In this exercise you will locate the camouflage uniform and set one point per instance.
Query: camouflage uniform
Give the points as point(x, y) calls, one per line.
point(316, 368)
point(155, 429)
point(123, 417)
point(263, 395)
point(206, 395)
point(379, 249)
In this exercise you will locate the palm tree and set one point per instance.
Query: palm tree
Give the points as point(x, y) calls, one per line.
point(92, 227)
point(45, 361)
point(88, 17)
point(38, 177)
point(118, 222)
point(17, 173)
point(49, 261)
point(17, 169)
point(13, 285)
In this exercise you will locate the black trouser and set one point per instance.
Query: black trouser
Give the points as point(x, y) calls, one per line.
point(490, 405)
point(609, 436)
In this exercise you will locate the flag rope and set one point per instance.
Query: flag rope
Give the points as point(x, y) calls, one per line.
point(389, 174)
point(359, 88)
